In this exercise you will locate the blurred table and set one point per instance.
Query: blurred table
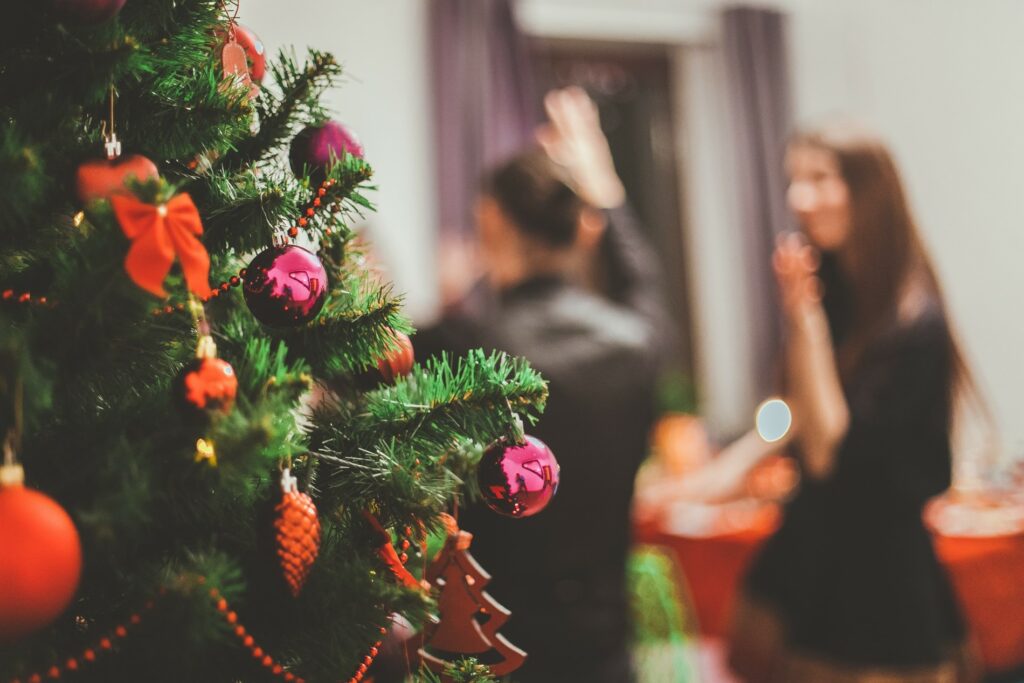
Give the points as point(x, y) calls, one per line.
point(714, 544)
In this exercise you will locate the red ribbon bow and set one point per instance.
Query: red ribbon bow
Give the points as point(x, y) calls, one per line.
point(158, 234)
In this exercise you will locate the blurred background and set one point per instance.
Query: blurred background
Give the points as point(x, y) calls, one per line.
point(697, 98)
point(939, 79)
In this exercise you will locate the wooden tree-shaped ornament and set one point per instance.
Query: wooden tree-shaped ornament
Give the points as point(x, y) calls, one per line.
point(469, 617)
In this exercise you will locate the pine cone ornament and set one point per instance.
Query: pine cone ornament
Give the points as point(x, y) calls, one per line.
point(298, 533)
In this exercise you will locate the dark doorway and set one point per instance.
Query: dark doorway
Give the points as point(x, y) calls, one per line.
point(632, 85)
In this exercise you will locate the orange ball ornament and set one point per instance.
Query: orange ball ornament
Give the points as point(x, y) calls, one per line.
point(102, 178)
point(40, 557)
point(398, 362)
point(206, 385)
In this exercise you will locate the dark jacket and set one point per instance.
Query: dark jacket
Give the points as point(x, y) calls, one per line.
point(562, 573)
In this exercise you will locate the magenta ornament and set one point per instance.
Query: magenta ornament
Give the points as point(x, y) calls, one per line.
point(86, 12)
point(285, 286)
point(518, 480)
point(312, 149)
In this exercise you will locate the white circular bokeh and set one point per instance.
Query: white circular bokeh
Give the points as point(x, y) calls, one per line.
point(773, 419)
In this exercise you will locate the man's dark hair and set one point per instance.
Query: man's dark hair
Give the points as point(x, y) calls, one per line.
point(535, 193)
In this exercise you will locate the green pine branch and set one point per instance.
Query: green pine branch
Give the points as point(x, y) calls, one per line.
point(24, 188)
point(299, 88)
point(352, 331)
point(397, 447)
point(243, 211)
point(478, 393)
point(466, 670)
point(181, 115)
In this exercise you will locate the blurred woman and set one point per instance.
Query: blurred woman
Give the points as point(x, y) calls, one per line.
point(849, 588)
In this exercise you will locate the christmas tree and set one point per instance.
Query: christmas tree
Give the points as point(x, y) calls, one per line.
point(227, 455)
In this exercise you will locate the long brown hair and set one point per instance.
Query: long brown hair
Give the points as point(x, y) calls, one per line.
point(885, 264)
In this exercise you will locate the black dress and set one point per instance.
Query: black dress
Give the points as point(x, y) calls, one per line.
point(852, 572)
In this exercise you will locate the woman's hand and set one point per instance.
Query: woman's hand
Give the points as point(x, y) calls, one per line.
point(796, 269)
point(573, 138)
point(820, 413)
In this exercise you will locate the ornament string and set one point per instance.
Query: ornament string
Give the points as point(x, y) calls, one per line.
point(11, 472)
point(110, 141)
point(14, 437)
point(9, 449)
point(120, 632)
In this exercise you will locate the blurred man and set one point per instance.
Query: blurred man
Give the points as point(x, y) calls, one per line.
point(544, 218)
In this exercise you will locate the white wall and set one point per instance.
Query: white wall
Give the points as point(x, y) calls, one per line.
point(385, 99)
point(941, 80)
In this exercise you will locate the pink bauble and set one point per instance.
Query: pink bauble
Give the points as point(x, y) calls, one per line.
point(313, 148)
point(40, 561)
point(518, 480)
point(86, 11)
point(285, 286)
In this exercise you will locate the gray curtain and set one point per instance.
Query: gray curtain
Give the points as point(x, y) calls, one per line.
point(758, 79)
point(485, 107)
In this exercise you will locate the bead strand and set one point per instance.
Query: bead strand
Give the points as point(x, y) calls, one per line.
point(311, 209)
point(89, 654)
point(368, 659)
point(233, 281)
point(244, 637)
point(27, 298)
point(267, 661)
point(122, 630)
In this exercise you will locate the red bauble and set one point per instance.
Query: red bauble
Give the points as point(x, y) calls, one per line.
point(285, 286)
point(102, 179)
point(207, 384)
point(40, 558)
point(313, 148)
point(255, 53)
point(86, 11)
point(518, 480)
point(398, 362)
point(297, 532)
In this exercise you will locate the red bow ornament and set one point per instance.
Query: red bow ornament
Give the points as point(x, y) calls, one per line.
point(158, 234)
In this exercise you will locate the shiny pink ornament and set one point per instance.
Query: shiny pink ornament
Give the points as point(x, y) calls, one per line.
point(86, 12)
point(285, 286)
point(314, 146)
point(518, 480)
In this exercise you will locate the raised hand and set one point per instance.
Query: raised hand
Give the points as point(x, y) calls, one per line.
point(796, 266)
point(573, 138)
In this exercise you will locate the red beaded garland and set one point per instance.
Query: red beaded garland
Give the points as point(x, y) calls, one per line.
point(89, 654)
point(24, 298)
